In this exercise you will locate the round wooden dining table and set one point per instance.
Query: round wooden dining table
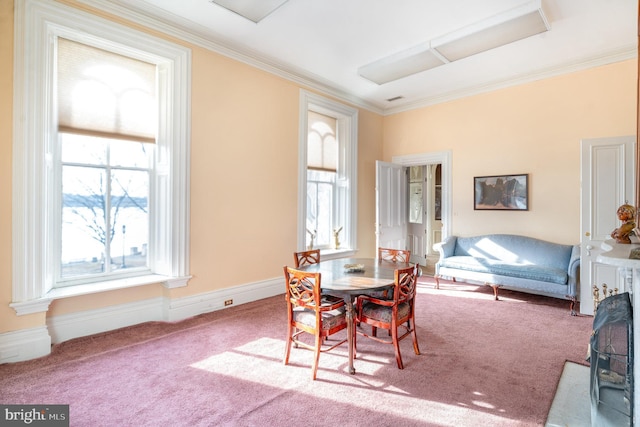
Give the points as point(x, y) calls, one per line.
point(349, 277)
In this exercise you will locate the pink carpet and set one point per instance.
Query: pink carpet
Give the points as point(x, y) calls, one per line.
point(483, 363)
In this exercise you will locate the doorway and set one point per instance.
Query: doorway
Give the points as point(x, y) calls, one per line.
point(443, 226)
point(424, 228)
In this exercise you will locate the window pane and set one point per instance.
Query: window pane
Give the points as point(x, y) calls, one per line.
point(105, 216)
point(312, 207)
point(83, 232)
point(320, 196)
point(83, 149)
point(130, 154)
point(325, 214)
point(129, 218)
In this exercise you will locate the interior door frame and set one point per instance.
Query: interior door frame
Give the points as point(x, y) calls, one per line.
point(445, 159)
point(599, 201)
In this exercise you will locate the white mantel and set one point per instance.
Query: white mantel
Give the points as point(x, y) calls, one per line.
point(617, 254)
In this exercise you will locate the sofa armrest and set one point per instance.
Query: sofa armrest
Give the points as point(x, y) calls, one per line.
point(574, 271)
point(446, 249)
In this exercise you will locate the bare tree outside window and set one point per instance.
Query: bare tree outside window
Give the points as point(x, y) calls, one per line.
point(104, 206)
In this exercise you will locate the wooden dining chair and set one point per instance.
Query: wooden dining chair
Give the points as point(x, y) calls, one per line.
point(396, 314)
point(394, 255)
point(310, 312)
point(399, 256)
point(306, 257)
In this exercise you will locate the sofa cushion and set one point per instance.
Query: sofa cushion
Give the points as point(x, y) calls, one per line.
point(502, 268)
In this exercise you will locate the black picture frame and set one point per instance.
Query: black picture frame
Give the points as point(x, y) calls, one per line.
point(501, 192)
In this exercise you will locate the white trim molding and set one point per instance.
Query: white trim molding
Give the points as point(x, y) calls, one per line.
point(32, 343)
point(446, 159)
point(183, 308)
point(74, 325)
point(347, 197)
point(24, 344)
point(155, 17)
point(38, 25)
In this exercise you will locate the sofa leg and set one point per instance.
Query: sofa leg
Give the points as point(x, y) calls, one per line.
point(572, 305)
point(495, 290)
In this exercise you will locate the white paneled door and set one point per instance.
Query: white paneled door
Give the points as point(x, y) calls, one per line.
point(607, 182)
point(391, 205)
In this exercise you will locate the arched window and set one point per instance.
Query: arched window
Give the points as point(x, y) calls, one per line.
point(328, 175)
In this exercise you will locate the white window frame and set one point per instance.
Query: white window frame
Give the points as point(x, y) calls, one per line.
point(38, 25)
point(346, 197)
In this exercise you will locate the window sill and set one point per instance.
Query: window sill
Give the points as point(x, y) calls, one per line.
point(42, 304)
point(337, 253)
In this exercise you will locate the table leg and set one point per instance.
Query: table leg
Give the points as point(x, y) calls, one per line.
point(350, 331)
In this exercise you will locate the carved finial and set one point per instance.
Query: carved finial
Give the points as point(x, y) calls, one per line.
point(605, 294)
point(596, 298)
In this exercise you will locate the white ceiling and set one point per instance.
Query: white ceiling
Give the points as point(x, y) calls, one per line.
point(322, 43)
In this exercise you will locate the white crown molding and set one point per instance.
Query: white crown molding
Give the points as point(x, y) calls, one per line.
point(156, 18)
point(606, 58)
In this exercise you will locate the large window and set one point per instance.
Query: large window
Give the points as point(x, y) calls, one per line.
point(322, 160)
point(328, 172)
point(107, 121)
point(101, 149)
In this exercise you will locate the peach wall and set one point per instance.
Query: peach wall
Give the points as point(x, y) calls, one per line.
point(244, 153)
point(369, 150)
point(533, 128)
point(244, 173)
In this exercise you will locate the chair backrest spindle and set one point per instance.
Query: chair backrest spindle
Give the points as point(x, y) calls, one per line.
point(394, 255)
point(303, 258)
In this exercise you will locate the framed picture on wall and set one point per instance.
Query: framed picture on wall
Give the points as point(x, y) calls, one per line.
point(501, 192)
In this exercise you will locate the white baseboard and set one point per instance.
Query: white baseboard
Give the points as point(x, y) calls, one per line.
point(68, 326)
point(184, 308)
point(25, 344)
point(29, 344)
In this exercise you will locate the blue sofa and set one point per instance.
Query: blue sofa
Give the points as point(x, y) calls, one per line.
point(514, 262)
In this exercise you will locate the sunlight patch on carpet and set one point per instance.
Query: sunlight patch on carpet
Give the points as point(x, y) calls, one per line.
point(260, 361)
